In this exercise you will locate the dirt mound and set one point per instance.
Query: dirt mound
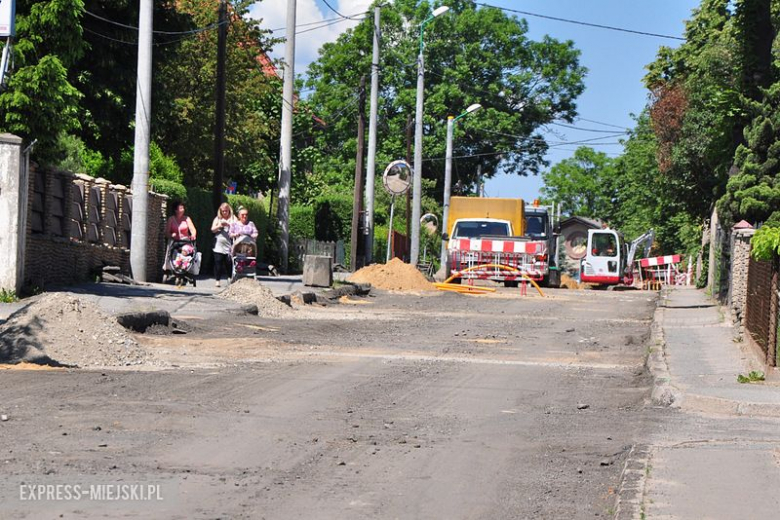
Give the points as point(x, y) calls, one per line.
point(393, 276)
point(61, 328)
point(567, 282)
point(252, 292)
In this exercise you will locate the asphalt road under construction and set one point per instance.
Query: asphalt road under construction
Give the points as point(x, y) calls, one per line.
point(396, 406)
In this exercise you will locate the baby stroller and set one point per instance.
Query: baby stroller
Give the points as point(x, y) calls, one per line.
point(244, 258)
point(182, 262)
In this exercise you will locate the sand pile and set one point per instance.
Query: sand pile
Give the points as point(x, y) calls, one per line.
point(567, 282)
point(250, 292)
point(393, 276)
point(63, 328)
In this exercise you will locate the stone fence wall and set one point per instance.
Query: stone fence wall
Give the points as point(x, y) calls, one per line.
point(77, 224)
point(738, 282)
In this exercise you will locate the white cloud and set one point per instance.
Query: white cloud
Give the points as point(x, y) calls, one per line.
point(274, 16)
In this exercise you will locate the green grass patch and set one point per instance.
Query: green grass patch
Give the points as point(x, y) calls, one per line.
point(753, 377)
point(8, 296)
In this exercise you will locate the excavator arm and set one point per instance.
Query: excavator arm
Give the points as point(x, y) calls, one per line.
point(645, 240)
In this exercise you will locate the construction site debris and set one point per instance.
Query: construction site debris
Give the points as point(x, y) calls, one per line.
point(62, 329)
point(567, 282)
point(459, 288)
point(252, 292)
point(393, 276)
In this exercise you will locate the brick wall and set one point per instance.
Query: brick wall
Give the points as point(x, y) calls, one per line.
point(738, 285)
point(81, 225)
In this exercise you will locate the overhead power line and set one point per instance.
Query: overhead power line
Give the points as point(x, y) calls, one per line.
point(587, 24)
point(338, 13)
point(171, 33)
point(594, 130)
point(601, 123)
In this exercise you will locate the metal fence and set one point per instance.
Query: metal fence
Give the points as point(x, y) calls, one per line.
point(762, 306)
point(300, 247)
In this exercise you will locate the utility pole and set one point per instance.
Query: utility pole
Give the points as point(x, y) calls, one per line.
point(285, 151)
point(219, 127)
point(445, 223)
point(418, 141)
point(408, 192)
point(371, 163)
point(354, 248)
point(414, 253)
point(143, 116)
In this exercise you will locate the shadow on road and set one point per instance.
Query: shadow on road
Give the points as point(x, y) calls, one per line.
point(18, 343)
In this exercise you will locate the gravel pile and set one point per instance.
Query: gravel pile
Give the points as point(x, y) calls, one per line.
point(67, 330)
point(252, 292)
point(393, 276)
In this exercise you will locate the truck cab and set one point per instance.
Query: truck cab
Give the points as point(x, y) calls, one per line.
point(605, 260)
point(481, 227)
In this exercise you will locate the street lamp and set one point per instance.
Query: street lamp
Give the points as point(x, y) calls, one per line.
point(418, 135)
point(448, 180)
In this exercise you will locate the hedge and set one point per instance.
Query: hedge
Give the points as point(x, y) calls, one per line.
point(333, 217)
point(302, 221)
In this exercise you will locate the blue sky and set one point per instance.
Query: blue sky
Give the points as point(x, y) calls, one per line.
point(615, 60)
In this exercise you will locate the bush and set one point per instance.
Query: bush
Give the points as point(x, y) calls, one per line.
point(302, 221)
point(766, 243)
point(163, 166)
point(174, 190)
point(380, 244)
point(77, 158)
point(333, 217)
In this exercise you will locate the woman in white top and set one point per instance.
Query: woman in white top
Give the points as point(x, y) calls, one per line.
point(221, 229)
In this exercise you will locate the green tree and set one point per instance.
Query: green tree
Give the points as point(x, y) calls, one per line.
point(645, 199)
point(754, 193)
point(472, 56)
point(185, 126)
point(696, 109)
point(583, 185)
point(39, 101)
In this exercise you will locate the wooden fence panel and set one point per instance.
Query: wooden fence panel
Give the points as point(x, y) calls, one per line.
point(760, 293)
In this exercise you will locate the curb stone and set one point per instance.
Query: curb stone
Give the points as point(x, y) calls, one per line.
point(629, 504)
point(664, 392)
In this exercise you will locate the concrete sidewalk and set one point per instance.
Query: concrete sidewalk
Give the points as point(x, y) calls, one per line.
point(703, 361)
point(716, 455)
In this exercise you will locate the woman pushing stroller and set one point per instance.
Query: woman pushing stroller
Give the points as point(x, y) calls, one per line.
point(182, 260)
point(243, 230)
point(244, 234)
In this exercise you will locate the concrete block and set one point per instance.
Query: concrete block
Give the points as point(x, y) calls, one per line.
point(317, 271)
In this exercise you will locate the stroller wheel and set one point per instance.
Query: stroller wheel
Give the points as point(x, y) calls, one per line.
point(194, 283)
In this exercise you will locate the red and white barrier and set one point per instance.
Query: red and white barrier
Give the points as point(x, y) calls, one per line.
point(663, 270)
point(660, 260)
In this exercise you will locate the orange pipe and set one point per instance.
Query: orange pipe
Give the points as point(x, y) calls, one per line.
point(499, 266)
